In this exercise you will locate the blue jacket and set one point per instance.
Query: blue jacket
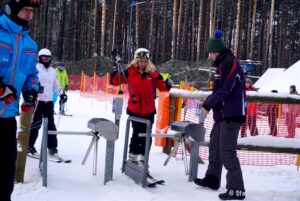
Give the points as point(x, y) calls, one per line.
point(18, 53)
point(228, 100)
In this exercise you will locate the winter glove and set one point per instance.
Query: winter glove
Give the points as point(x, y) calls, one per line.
point(115, 68)
point(26, 108)
point(63, 99)
point(30, 97)
point(29, 100)
point(169, 83)
point(150, 69)
point(41, 89)
point(8, 93)
point(66, 88)
point(117, 61)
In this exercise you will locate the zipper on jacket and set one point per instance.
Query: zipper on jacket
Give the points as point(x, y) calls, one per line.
point(15, 61)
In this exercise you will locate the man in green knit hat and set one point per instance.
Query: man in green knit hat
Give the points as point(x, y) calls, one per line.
point(228, 102)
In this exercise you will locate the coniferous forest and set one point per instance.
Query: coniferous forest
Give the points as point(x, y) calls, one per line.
point(260, 30)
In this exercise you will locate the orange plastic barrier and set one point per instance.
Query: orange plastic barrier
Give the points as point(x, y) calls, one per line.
point(163, 117)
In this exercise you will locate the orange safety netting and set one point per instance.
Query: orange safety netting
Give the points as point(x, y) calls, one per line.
point(277, 120)
point(95, 86)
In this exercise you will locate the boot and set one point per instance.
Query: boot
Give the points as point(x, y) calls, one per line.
point(31, 152)
point(141, 160)
point(209, 181)
point(133, 158)
point(232, 194)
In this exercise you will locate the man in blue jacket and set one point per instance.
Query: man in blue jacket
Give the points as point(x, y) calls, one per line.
point(229, 107)
point(18, 74)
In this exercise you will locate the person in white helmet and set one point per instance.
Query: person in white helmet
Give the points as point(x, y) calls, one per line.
point(17, 75)
point(44, 106)
point(142, 80)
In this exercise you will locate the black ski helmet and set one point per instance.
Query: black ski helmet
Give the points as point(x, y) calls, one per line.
point(13, 7)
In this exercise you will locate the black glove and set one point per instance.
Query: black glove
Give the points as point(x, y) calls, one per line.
point(115, 68)
point(30, 97)
point(41, 88)
point(169, 83)
point(8, 93)
point(66, 88)
point(63, 99)
point(116, 55)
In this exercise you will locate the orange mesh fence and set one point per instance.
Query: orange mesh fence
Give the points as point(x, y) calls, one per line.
point(276, 120)
point(97, 87)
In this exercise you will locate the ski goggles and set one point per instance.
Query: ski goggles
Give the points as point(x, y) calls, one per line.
point(45, 58)
point(143, 54)
point(32, 3)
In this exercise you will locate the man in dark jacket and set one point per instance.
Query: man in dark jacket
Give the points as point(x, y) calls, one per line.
point(17, 75)
point(229, 107)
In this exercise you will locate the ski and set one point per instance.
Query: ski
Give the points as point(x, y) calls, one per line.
point(67, 115)
point(152, 182)
point(59, 160)
point(36, 155)
point(56, 160)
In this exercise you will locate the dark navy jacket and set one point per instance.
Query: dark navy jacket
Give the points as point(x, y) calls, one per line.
point(228, 100)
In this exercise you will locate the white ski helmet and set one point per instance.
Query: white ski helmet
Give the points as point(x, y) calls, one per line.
point(45, 52)
point(142, 53)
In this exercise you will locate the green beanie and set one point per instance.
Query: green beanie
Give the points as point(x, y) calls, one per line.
point(215, 44)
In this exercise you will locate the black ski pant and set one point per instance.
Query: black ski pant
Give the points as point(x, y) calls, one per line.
point(138, 144)
point(43, 109)
point(222, 151)
point(8, 148)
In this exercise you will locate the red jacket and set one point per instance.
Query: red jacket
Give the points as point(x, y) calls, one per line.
point(251, 107)
point(141, 89)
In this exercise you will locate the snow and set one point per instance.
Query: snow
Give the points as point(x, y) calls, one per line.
point(75, 182)
point(282, 81)
point(269, 75)
point(269, 141)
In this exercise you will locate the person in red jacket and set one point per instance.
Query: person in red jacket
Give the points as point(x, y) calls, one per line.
point(292, 114)
point(142, 79)
point(251, 114)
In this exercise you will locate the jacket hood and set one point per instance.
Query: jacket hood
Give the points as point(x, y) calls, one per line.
point(7, 24)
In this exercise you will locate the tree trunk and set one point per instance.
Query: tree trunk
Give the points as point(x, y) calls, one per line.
point(194, 31)
point(201, 29)
point(179, 33)
point(60, 47)
point(237, 30)
point(103, 28)
point(174, 29)
point(252, 35)
point(151, 36)
point(270, 55)
point(165, 27)
point(212, 17)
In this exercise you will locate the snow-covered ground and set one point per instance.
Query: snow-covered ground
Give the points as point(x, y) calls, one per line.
point(75, 182)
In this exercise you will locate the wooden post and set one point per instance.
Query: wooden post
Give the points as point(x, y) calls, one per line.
point(23, 139)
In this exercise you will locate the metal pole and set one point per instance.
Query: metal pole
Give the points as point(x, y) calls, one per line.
point(43, 158)
point(147, 150)
point(126, 143)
